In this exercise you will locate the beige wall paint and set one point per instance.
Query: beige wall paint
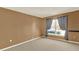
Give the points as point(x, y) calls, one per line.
point(17, 27)
point(43, 26)
point(73, 23)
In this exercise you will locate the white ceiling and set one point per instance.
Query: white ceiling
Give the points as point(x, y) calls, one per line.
point(43, 11)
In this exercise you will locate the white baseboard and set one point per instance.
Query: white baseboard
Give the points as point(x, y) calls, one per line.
point(74, 42)
point(19, 44)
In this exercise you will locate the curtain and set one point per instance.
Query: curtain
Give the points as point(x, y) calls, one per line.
point(63, 22)
point(63, 25)
point(49, 23)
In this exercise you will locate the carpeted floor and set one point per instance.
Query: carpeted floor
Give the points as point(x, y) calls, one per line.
point(46, 45)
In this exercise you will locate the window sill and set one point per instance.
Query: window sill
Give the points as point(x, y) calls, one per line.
point(56, 36)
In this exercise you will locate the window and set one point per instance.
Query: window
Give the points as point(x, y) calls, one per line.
point(55, 29)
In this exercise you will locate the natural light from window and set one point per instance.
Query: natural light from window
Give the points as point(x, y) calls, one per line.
point(55, 29)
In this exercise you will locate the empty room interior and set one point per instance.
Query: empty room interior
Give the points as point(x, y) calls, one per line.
point(39, 28)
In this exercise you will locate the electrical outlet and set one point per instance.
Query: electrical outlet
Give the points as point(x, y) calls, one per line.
point(11, 41)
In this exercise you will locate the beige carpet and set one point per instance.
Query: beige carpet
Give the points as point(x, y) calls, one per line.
point(45, 45)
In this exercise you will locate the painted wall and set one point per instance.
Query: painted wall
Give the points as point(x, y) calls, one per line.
point(73, 24)
point(17, 27)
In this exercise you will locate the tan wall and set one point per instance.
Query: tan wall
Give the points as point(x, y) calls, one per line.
point(18, 27)
point(43, 25)
point(73, 24)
